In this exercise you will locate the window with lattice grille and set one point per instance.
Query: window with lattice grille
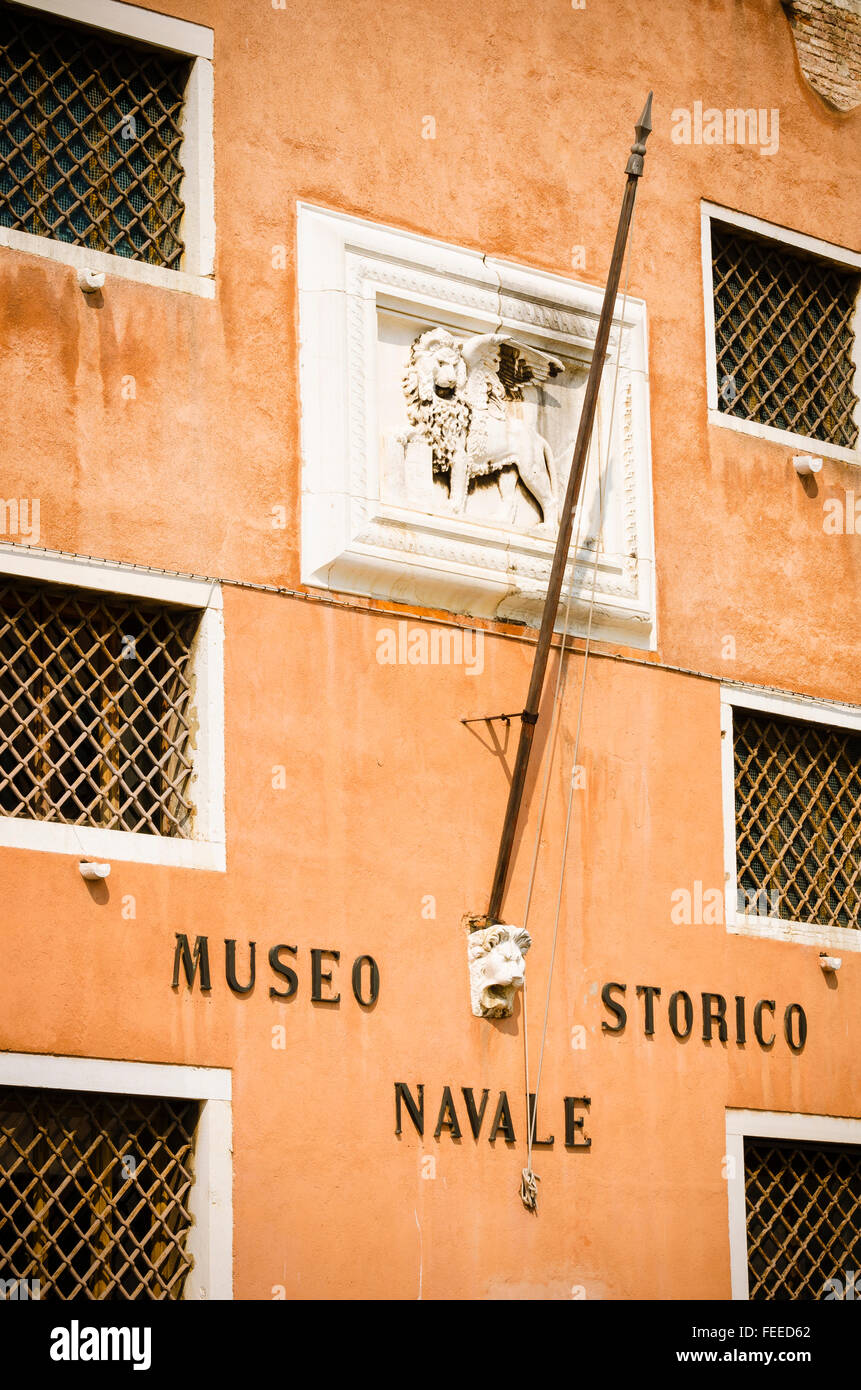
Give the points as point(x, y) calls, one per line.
point(797, 819)
point(784, 338)
point(803, 1217)
point(90, 138)
point(94, 1192)
point(96, 709)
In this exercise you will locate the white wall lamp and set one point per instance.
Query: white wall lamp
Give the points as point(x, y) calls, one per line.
point(91, 281)
point(805, 464)
point(89, 869)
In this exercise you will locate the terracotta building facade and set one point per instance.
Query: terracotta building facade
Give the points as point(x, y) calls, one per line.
point(298, 303)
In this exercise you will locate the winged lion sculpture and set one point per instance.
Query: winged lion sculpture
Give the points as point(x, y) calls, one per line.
point(457, 393)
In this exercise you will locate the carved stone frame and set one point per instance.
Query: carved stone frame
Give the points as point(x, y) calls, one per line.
point(354, 541)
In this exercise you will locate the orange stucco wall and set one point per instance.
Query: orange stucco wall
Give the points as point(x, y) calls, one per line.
point(389, 798)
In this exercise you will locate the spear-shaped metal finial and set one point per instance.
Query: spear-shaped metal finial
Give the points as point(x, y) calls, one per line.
point(641, 130)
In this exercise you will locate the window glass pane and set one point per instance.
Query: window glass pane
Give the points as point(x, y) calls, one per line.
point(803, 1205)
point(798, 819)
point(94, 1193)
point(783, 337)
point(90, 138)
point(95, 710)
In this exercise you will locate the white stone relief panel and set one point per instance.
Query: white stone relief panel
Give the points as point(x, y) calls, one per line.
point(441, 393)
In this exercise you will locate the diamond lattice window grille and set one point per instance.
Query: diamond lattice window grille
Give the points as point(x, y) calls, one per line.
point(784, 337)
point(90, 138)
point(96, 710)
point(798, 818)
point(94, 1192)
point(803, 1207)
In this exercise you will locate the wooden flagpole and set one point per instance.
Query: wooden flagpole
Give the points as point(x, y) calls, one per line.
point(529, 715)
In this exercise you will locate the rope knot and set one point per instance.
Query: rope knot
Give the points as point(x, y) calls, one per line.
point(529, 1189)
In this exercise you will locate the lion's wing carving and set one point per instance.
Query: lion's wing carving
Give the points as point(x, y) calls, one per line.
point(517, 364)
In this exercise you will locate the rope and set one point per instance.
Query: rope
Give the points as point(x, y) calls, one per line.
point(528, 1190)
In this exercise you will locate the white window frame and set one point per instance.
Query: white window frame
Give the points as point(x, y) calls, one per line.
point(805, 709)
point(712, 212)
point(210, 1238)
point(194, 41)
point(206, 847)
point(768, 1124)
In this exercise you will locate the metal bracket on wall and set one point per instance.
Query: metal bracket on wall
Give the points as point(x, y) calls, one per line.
point(506, 718)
